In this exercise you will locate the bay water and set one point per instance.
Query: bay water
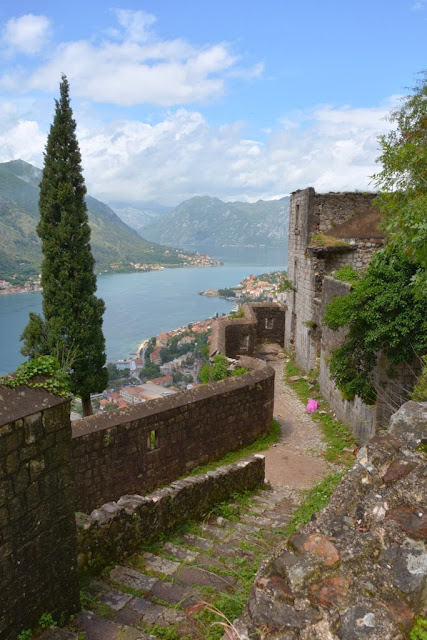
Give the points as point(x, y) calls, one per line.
point(141, 305)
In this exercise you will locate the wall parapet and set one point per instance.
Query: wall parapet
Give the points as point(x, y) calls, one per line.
point(139, 448)
point(38, 568)
point(118, 529)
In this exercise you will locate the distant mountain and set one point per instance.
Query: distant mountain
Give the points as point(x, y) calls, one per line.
point(139, 215)
point(113, 242)
point(204, 222)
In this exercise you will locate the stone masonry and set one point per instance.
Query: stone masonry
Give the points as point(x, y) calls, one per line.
point(139, 448)
point(347, 217)
point(358, 571)
point(38, 567)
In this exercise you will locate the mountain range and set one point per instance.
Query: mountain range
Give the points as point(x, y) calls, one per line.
point(204, 222)
point(113, 242)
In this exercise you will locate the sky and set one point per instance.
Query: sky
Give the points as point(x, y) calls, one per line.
point(236, 99)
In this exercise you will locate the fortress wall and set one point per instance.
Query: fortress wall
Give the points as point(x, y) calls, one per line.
point(262, 322)
point(140, 448)
point(362, 419)
point(118, 529)
point(38, 567)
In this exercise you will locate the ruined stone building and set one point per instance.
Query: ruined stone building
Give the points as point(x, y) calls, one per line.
point(326, 232)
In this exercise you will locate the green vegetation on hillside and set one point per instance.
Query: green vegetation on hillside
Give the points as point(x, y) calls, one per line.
point(114, 244)
point(204, 221)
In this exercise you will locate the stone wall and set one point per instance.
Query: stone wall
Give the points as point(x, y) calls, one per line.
point(358, 571)
point(118, 529)
point(38, 569)
point(362, 419)
point(139, 448)
point(349, 217)
point(262, 322)
point(334, 209)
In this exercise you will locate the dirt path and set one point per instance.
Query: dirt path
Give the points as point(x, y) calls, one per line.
point(295, 462)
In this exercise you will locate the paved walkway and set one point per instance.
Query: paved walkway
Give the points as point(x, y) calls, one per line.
point(166, 588)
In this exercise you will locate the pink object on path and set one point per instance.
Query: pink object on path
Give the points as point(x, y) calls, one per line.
point(312, 406)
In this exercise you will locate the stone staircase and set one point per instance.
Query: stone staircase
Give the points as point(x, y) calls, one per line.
point(160, 594)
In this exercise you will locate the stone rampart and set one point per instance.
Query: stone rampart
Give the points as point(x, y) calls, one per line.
point(139, 448)
point(38, 568)
point(118, 529)
point(261, 322)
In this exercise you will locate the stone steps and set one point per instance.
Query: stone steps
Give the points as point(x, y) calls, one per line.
point(166, 587)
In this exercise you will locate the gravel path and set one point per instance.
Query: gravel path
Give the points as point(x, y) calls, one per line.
point(295, 462)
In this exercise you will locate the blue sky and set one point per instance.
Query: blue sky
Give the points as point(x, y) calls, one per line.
point(242, 100)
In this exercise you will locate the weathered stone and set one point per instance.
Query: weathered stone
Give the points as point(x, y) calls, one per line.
point(330, 592)
point(368, 621)
point(115, 599)
point(180, 552)
point(408, 424)
point(97, 628)
point(174, 594)
point(317, 544)
point(407, 567)
point(160, 565)
point(131, 578)
point(412, 520)
point(192, 576)
point(398, 469)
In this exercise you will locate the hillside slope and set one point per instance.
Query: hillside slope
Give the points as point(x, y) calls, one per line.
point(202, 222)
point(113, 242)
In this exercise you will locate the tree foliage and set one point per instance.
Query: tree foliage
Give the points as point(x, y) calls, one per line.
point(72, 322)
point(382, 313)
point(403, 179)
point(387, 308)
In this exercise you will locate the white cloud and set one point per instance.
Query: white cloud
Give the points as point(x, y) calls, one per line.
point(326, 147)
point(135, 23)
point(132, 66)
point(26, 34)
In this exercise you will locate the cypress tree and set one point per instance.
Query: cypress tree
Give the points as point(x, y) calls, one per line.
point(72, 325)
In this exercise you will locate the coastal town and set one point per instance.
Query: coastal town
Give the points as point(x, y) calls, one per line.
point(171, 361)
point(20, 284)
point(162, 365)
point(266, 287)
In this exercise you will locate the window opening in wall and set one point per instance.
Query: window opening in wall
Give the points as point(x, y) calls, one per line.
point(296, 217)
point(244, 343)
point(152, 441)
point(269, 323)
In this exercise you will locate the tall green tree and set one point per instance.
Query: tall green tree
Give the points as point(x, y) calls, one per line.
point(403, 179)
point(71, 328)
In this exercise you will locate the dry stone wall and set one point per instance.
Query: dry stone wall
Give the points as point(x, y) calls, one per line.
point(358, 571)
point(38, 568)
point(118, 529)
point(137, 449)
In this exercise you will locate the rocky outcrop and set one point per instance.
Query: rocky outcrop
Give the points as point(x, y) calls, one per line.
point(359, 570)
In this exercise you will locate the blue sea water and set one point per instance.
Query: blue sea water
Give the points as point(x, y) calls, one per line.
point(140, 305)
